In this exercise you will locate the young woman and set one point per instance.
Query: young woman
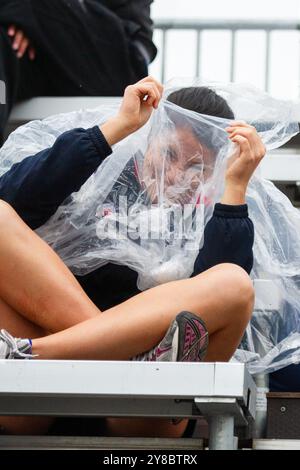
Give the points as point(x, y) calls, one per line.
point(42, 301)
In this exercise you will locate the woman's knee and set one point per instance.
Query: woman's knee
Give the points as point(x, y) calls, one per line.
point(238, 289)
point(11, 224)
point(7, 215)
point(229, 290)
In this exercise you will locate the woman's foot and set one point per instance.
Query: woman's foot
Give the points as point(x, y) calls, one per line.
point(14, 348)
point(185, 341)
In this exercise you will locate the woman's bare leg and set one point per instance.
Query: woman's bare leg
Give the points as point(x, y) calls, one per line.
point(141, 322)
point(129, 322)
point(34, 281)
point(222, 344)
point(17, 325)
point(38, 295)
point(222, 297)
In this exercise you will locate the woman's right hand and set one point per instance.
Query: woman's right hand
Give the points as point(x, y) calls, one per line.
point(138, 103)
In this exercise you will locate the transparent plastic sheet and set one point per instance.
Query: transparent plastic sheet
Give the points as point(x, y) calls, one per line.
point(140, 208)
point(147, 210)
point(143, 210)
point(274, 333)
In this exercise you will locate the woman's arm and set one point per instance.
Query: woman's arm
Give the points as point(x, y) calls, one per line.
point(229, 235)
point(37, 186)
point(228, 238)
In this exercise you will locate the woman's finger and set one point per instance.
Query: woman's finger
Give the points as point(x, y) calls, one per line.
point(156, 93)
point(257, 146)
point(247, 132)
point(158, 96)
point(239, 124)
point(155, 82)
point(246, 152)
point(150, 92)
point(247, 129)
point(146, 93)
point(245, 147)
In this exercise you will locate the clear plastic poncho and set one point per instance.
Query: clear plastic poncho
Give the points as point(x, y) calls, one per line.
point(147, 205)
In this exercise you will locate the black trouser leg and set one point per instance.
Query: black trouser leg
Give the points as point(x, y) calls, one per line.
point(9, 74)
point(23, 78)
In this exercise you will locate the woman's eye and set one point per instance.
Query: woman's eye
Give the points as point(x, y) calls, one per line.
point(199, 167)
point(171, 155)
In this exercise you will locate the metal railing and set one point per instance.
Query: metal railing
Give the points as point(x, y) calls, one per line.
point(232, 26)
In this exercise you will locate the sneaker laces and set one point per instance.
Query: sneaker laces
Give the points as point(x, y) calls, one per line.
point(147, 356)
point(13, 346)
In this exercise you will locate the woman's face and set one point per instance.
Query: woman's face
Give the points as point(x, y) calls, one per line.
point(176, 168)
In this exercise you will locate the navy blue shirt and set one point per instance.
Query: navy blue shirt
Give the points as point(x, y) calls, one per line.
point(37, 186)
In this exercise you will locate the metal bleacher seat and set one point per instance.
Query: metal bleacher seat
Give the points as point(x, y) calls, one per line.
point(42, 107)
point(224, 394)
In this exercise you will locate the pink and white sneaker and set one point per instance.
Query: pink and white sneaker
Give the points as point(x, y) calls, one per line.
point(185, 341)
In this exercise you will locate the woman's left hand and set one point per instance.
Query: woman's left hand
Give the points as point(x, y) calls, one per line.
point(244, 162)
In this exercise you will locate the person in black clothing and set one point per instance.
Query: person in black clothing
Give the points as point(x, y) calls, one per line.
point(220, 293)
point(72, 48)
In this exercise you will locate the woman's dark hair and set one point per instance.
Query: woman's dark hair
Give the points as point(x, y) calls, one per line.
point(202, 100)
